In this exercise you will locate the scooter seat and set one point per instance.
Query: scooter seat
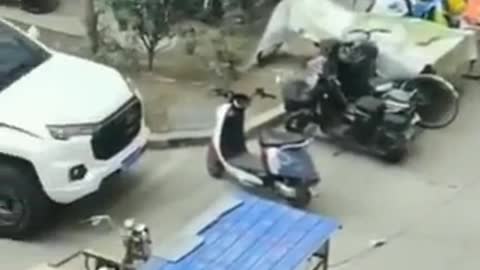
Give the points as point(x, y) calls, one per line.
point(247, 162)
point(275, 138)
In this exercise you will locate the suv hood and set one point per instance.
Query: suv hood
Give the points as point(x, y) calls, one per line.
point(63, 90)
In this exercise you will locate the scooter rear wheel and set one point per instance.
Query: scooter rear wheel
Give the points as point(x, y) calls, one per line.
point(214, 166)
point(302, 198)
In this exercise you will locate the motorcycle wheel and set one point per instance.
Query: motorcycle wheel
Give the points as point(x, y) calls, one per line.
point(214, 166)
point(395, 155)
point(438, 100)
point(296, 123)
point(302, 198)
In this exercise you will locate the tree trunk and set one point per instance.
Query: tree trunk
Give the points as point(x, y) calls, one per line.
point(151, 58)
point(91, 22)
point(217, 9)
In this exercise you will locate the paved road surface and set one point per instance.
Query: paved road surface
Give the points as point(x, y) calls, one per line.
point(426, 207)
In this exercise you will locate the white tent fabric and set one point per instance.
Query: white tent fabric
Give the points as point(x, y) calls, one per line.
point(412, 43)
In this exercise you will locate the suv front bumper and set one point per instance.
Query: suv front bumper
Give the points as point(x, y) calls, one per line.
point(55, 164)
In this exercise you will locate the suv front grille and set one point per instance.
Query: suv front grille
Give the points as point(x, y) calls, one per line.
point(118, 130)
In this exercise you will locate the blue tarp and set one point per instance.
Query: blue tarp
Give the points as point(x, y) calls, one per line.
point(258, 234)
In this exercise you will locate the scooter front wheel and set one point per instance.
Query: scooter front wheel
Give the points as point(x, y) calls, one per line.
point(302, 199)
point(214, 166)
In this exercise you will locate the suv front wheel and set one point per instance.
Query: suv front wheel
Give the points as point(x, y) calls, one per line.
point(23, 204)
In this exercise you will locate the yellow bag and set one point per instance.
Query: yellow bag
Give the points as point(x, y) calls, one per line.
point(456, 7)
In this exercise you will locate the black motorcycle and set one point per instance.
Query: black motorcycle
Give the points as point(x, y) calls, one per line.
point(384, 122)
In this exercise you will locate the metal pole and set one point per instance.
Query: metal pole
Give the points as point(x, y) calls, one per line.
point(326, 255)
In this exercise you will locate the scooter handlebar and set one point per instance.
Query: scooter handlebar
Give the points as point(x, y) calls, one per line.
point(261, 93)
point(229, 93)
point(222, 92)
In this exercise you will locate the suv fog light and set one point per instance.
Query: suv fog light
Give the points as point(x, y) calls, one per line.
point(78, 172)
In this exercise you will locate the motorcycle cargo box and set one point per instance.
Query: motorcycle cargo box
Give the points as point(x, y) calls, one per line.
point(297, 95)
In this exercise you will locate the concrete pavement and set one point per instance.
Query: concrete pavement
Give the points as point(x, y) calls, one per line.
point(67, 19)
point(426, 208)
point(160, 192)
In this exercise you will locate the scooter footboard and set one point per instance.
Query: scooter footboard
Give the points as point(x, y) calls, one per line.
point(293, 163)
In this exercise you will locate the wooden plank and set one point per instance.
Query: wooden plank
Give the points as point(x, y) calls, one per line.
point(177, 247)
point(230, 235)
point(258, 234)
point(301, 230)
point(248, 220)
point(250, 238)
point(277, 231)
point(217, 210)
point(313, 242)
point(211, 235)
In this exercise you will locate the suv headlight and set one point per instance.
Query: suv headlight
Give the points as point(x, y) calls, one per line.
point(65, 132)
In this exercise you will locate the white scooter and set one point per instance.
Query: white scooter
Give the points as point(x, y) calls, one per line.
point(284, 164)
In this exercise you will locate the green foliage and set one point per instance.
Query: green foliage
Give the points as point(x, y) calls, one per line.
point(151, 19)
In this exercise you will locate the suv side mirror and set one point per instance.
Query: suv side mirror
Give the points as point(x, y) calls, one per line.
point(33, 32)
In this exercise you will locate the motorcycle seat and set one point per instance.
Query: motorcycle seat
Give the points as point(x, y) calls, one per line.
point(369, 104)
point(248, 162)
point(275, 138)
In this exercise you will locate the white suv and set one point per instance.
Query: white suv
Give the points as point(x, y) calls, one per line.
point(65, 125)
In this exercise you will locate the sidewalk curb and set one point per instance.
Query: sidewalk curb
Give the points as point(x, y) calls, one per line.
point(67, 25)
point(176, 139)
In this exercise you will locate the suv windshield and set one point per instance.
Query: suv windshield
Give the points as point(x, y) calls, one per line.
point(18, 55)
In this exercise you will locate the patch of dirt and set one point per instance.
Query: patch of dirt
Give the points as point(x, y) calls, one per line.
point(186, 105)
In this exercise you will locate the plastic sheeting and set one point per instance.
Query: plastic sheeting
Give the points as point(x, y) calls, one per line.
point(411, 45)
point(390, 7)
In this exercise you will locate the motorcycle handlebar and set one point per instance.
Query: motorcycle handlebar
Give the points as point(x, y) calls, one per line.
point(229, 93)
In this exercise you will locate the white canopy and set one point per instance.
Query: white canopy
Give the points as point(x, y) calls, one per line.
point(412, 43)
